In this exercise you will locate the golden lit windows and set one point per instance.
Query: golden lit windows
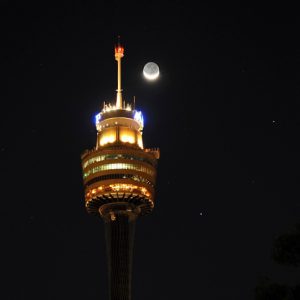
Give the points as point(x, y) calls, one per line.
point(118, 166)
point(118, 188)
point(127, 135)
point(98, 158)
point(133, 177)
point(108, 136)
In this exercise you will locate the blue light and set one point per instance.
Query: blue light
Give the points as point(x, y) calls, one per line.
point(97, 118)
point(138, 116)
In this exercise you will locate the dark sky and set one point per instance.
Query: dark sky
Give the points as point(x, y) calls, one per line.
point(224, 113)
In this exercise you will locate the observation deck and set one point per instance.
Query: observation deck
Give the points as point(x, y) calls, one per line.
point(119, 169)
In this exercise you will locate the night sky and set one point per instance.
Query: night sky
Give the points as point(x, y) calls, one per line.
point(225, 114)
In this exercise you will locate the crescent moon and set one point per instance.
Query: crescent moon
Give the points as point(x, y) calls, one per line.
point(150, 76)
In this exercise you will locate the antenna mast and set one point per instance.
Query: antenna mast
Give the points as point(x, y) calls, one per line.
point(119, 53)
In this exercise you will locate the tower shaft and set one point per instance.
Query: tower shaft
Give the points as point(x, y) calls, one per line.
point(119, 242)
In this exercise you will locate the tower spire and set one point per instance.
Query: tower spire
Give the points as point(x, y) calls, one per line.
point(119, 53)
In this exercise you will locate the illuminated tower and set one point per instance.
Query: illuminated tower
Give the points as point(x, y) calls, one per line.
point(119, 177)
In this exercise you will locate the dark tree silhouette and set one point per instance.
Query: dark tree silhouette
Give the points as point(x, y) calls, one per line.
point(287, 248)
point(268, 290)
point(286, 251)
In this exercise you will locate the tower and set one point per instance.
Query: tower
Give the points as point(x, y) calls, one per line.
point(119, 177)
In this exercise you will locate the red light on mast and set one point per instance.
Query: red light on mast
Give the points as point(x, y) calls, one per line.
point(119, 50)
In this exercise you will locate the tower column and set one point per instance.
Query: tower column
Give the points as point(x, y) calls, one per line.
point(119, 222)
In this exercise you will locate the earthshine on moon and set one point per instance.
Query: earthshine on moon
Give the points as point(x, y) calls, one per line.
point(151, 71)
